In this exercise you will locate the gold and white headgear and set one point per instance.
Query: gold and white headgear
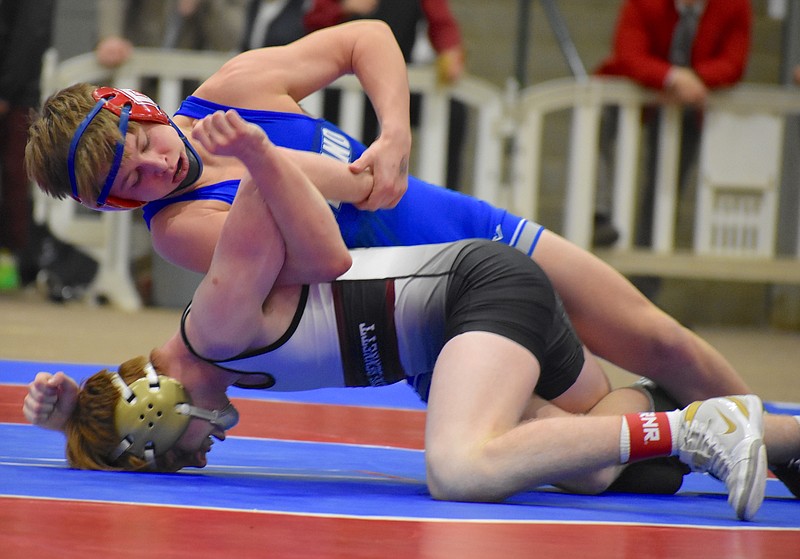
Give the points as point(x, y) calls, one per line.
point(154, 411)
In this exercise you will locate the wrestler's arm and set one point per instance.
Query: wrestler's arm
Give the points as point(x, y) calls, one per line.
point(279, 224)
point(277, 78)
point(335, 180)
point(185, 234)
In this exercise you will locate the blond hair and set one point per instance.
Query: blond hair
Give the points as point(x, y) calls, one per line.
point(49, 138)
point(92, 436)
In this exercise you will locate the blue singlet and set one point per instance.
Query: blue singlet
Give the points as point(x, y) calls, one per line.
point(427, 213)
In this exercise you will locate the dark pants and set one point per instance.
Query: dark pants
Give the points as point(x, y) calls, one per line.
point(15, 194)
point(689, 150)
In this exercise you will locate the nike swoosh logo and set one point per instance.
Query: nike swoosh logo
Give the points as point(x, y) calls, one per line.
point(739, 404)
point(691, 410)
point(498, 233)
point(731, 425)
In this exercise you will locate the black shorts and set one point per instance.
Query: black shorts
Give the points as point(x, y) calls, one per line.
point(497, 289)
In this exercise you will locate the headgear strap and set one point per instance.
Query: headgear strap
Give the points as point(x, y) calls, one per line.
point(154, 411)
point(147, 415)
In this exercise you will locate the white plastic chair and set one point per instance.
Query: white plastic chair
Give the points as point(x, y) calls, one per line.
point(737, 197)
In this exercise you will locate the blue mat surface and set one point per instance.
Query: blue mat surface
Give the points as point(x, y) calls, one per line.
point(342, 479)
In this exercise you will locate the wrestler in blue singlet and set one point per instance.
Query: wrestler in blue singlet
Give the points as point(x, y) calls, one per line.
point(426, 214)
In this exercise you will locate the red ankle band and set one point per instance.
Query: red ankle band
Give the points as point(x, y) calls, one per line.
point(650, 435)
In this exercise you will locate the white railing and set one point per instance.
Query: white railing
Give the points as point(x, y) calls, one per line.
point(739, 177)
point(740, 163)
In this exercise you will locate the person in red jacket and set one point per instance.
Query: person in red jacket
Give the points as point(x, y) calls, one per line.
point(647, 49)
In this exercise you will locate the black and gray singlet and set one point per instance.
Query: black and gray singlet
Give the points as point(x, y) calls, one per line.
point(388, 318)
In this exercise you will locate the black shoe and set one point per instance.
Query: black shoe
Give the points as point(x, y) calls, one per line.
point(657, 476)
point(789, 474)
point(605, 234)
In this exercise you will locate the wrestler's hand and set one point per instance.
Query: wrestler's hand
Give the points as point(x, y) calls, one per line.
point(388, 160)
point(50, 400)
point(228, 134)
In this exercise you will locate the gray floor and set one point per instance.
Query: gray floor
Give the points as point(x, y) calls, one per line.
point(33, 328)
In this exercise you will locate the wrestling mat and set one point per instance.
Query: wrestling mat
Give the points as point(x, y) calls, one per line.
point(340, 474)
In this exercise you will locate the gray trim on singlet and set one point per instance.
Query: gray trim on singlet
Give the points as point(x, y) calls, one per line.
point(528, 237)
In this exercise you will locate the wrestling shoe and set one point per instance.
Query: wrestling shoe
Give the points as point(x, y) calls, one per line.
point(789, 474)
point(725, 437)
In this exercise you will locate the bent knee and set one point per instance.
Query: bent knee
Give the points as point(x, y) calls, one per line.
point(451, 478)
point(444, 487)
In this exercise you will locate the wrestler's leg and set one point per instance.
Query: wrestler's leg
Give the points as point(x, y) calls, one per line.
point(589, 391)
point(616, 402)
point(617, 323)
point(782, 438)
point(477, 446)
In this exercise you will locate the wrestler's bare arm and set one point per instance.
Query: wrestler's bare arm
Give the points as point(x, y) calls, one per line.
point(278, 78)
point(185, 234)
point(279, 224)
point(335, 180)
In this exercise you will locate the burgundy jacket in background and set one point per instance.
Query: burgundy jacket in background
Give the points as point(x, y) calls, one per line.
point(402, 16)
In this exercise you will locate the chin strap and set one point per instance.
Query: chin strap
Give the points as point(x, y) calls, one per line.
point(225, 419)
